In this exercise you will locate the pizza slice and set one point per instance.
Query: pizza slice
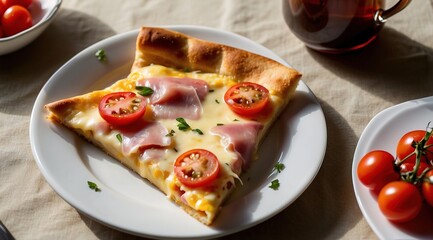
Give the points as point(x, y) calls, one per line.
point(188, 118)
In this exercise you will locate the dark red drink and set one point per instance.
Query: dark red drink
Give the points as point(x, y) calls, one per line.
point(333, 25)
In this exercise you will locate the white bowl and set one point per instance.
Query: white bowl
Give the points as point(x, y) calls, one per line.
point(43, 12)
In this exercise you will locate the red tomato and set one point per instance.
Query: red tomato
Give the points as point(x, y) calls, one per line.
point(23, 3)
point(247, 98)
point(16, 19)
point(408, 167)
point(405, 146)
point(1, 32)
point(427, 187)
point(376, 168)
point(196, 168)
point(400, 201)
point(122, 108)
point(2, 9)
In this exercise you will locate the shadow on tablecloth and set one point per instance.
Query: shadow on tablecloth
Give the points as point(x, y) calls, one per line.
point(24, 72)
point(393, 67)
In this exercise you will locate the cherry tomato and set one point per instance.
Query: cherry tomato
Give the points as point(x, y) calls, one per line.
point(23, 3)
point(2, 8)
point(196, 168)
point(16, 19)
point(376, 168)
point(405, 146)
point(122, 108)
point(427, 187)
point(1, 32)
point(400, 201)
point(408, 166)
point(247, 98)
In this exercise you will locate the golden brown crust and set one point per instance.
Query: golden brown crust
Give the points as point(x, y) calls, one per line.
point(173, 49)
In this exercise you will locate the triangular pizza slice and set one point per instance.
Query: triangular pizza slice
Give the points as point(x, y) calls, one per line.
point(189, 117)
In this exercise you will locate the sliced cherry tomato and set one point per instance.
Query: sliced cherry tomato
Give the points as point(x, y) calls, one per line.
point(427, 187)
point(122, 108)
point(400, 201)
point(23, 3)
point(405, 146)
point(197, 168)
point(376, 168)
point(247, 98)
point(408, 167)
point(16, 19)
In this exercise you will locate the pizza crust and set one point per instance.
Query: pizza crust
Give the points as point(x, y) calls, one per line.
point(173, 49)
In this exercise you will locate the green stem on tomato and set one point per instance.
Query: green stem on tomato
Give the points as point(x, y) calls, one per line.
point(418, 152)
point(420, 149)
point(399, 163)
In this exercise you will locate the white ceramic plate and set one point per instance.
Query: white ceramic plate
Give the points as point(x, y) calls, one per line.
point(383, 132)
point(131, 204)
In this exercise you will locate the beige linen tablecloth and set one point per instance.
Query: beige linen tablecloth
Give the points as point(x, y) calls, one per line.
point(352, 88)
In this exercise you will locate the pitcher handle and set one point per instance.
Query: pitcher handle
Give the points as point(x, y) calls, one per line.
point(382, 15)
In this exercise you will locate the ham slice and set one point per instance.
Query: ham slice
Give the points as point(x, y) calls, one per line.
point(176, 97)
point(142, 136)
point(240, 137)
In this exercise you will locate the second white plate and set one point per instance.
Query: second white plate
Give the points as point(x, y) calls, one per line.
point(131, 204)
point(383, 132)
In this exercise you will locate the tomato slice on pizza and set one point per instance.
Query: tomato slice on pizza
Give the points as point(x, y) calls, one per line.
point(196, 168)
point(122, 108)
point(247, 98)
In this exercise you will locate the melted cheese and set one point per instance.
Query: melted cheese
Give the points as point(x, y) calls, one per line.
point(160, 171)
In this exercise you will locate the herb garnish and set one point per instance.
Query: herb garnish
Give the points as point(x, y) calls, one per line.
point(216, 100)
point(278, 167)
point(220, 124)
point(170, 134)
point(119, 137)
point(198, 131)
point(93, 186)
point(182, 125)
point(144, 91)
point(275, 184)
point(100, 55)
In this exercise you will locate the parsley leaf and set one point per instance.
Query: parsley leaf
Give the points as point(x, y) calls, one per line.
point(100, 55)
point(198, 131)
point(119, 137)
point(275, 184)
point(183, 126)
point(278, 167)
point(93, 186)
point(144, 91)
